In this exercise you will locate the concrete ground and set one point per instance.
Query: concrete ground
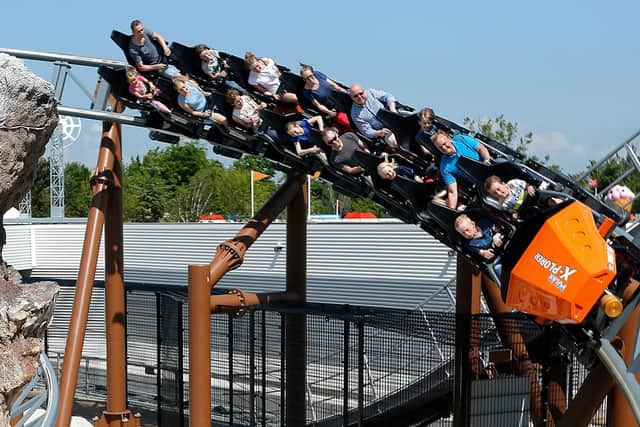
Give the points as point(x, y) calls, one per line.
point(88, 409)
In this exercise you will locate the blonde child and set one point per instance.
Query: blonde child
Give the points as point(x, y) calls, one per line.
point(144, 90)
point(482, 238)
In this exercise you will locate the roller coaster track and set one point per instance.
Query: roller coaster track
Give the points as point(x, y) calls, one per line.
point(594, 336)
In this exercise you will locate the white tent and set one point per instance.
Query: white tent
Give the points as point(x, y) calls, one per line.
point(12, 213)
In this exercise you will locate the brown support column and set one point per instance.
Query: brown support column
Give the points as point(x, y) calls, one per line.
point(229, 256)
point(510, 336)
point(86, 276)
point(296, 324)
point(557, 391)
point(618, 412)
point(199, 346)
point(115, 316)
point(467, 339)
point(586, 402)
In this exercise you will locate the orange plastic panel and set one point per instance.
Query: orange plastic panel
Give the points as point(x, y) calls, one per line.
point(565, 269)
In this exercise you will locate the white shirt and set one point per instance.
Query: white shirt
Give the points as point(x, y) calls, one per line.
point(268, 78)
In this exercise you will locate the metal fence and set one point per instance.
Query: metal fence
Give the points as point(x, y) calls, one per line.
point(362, 364)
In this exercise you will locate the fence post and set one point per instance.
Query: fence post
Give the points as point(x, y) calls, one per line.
point(467, 304)
point(230, 353)
point(360, 372)
point(283, 369)
point(263, 332)
point(345, 379)
point(252, 368)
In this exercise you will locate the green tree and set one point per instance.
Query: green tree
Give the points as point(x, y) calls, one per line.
point(257, 163)
point(144, 193)
point(77, 191)
point(40, 200)
point(507, 133)
point(323, 198)
point(363, 204)
point(176, 164)
point(613, 169)
point(198, 196)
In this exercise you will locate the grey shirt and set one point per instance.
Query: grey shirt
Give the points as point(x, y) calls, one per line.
point(148, 53)
point(344, 157)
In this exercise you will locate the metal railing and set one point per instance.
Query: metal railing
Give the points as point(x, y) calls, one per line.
point(41, 391)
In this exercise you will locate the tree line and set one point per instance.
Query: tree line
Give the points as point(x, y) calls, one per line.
point(178, 183)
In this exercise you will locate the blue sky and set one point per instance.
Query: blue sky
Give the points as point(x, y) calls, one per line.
point(567, 71)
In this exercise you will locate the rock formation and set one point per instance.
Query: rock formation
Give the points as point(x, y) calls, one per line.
point(28, 117)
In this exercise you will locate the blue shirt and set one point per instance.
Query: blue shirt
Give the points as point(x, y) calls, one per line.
point(465, 146)
point(405, 171)
point(147, 53)
point(304, 138)
point(196, 99)
point(364, 116)
point(484, 242)
point(322, 94)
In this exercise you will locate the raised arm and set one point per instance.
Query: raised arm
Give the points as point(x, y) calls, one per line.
point(158, 37)
point(304, 151)
point(483, 152)
point(452, 195)
point(352, 169)
point(335, 86)
point(317, 120)
point(144, 68)
point(386, 98)
point(322, 108)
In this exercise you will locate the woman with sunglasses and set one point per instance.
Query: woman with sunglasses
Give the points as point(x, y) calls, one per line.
point(317, 90)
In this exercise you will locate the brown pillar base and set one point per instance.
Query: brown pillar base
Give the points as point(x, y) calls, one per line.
point(117, 419)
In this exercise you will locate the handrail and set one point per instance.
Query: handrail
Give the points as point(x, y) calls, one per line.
point(28, 401)
point(62, 57)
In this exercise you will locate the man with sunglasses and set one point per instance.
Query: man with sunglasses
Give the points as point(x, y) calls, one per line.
point(342, 149)
point(366, 104)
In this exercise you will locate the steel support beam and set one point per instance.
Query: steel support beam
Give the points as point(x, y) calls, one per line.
point(202, 278)
point(86, 276)
point(296, 324)
point(467, 339)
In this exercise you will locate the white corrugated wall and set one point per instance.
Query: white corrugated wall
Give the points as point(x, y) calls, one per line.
point(380, 264)
point(17, 251)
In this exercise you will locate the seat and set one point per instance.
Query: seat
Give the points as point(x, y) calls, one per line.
point(445, 218)
point(277, 122)
point(405, 129)
point(419, 195)
point(396, 202)
point(188, 61)
point(292, 83)
point(238, 69)
point(342, 102)
point(507, 170)
point(123, 40)
point(117, 79)
point(351, 185)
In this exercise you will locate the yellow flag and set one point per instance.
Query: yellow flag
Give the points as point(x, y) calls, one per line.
point(257, 176)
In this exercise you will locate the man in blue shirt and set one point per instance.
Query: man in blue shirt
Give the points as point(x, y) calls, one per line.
point(452, 149)
point(366, 103)
point(145, 54)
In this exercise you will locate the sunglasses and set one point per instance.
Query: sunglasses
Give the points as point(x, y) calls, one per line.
point(333, 140)
point(358, 94)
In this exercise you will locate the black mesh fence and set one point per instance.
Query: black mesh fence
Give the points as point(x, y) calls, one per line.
point(373, 365)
